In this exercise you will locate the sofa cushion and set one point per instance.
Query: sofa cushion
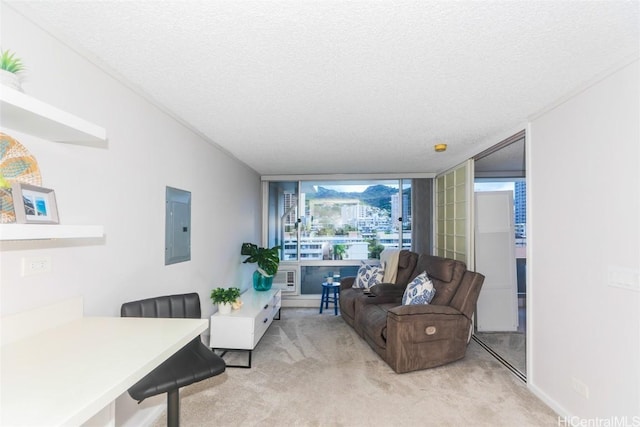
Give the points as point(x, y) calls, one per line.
point(446, 290)
point(445, 274)
point(406, 265)
point(373, 321)
point(404, 259)
point(437, 267)
point(388, 289)
point(368, 276)
point(441, 268)
point(347, 303)
point(419, 291)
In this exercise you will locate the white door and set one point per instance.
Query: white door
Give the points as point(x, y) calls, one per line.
point(497, 309)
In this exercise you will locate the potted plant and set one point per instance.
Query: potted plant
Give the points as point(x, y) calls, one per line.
point(225, 298)
point(10, 69)
point(267, 259)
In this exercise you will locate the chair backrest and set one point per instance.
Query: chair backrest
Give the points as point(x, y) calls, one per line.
point(186, 306)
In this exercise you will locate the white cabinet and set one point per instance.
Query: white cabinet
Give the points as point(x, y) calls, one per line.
point(242, 329)
point(29, 115)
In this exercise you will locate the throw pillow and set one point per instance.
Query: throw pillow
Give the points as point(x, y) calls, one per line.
point(419, 291)
point(368, 275)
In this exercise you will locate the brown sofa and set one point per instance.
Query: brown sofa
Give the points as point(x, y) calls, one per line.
point(413, 337)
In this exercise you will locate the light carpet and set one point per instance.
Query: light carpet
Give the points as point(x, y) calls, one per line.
point(511, 346)
point(312, 369)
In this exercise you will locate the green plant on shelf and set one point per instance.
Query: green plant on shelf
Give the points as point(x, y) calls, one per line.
point(10, 62)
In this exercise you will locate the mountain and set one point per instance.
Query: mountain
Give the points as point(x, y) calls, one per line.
point(376, 195)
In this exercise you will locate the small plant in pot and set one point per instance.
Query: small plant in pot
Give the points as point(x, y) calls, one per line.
point(11, 68)
point(268, 260)
point(225, 298)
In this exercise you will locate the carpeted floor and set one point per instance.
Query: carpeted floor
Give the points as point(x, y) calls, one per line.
point(314, 370)
point(511, 346)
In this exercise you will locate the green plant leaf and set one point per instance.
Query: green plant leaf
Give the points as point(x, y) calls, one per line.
point(267, 259)
point(222, 295)
point(248, 249)
point(9, 62)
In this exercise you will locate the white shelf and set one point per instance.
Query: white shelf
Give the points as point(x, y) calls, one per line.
point(29, 115)
point(49, 231)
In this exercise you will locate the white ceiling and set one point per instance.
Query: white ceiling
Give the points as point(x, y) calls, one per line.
point(315, 87)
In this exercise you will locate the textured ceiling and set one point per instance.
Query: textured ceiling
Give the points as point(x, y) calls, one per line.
point(314, 87)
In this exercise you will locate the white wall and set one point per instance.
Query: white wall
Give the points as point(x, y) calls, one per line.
point(584, 185)
point(123, 188)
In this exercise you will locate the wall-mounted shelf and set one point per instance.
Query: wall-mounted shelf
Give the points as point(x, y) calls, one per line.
point(49, 231)
point(29, 115)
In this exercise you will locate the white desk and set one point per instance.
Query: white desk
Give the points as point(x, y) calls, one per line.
point(65, 375)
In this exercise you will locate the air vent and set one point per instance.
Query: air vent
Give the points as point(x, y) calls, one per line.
point(286, 279)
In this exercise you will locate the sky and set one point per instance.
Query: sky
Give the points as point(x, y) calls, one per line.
point(494, 186)
point(478, 186)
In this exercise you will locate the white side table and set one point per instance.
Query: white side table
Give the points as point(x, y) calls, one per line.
point(242, 329)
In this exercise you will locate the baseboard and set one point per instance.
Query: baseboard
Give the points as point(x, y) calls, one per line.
point(562, 412)
point(301, 302)
point(145, 417)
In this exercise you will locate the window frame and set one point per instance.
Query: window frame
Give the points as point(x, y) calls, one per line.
point(402, 179)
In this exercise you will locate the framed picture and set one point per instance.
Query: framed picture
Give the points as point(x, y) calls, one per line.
point(34, 205)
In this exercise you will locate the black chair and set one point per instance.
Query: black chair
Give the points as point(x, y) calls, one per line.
point(192, 363)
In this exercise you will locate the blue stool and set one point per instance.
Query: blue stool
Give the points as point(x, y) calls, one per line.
point(330, 293)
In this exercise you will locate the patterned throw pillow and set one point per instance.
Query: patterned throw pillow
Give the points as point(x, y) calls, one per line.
point(368, 275)
point(419, 291)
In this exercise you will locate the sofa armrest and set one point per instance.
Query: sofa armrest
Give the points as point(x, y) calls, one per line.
point(423, 336)
point(388, 289)
point(423, 309)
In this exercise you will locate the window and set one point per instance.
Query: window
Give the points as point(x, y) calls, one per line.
point(331, 226)
point(338, 220)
